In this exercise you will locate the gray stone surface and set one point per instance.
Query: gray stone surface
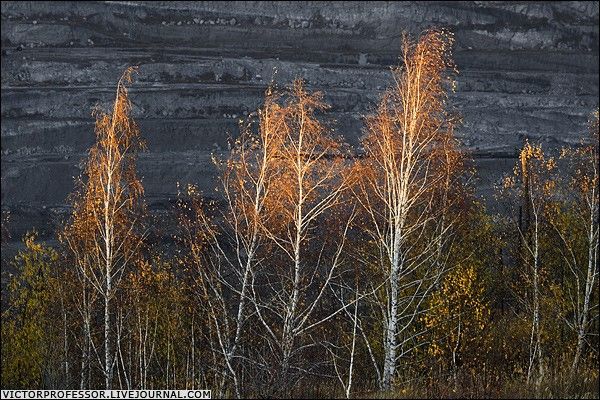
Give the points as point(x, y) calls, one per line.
point(527, 69)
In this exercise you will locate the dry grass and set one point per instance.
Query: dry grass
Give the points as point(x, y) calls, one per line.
point(557, 384)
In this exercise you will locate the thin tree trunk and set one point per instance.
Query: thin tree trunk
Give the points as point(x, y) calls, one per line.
point(589, 285)
point(454, 353)
point(85, 350)
point(535, 350)
point(65, 343)
point(351, 369)
point(107, 295)
point(288, 337)
point(107, 358)
point(389, 367)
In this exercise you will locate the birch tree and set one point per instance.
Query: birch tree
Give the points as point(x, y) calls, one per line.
point(306, 187)
point(579, 236)
point(338, 349)
point(247, 183)
point(532, 188)
point(398, 183)
point(105, 232)
point(229, 253)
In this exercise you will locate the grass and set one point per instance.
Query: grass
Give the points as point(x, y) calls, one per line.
point(557, 383)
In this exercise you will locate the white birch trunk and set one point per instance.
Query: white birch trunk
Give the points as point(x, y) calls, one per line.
point(582, 324)
point(389, 366)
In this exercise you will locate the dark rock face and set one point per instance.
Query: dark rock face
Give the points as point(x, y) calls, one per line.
point(527, 69)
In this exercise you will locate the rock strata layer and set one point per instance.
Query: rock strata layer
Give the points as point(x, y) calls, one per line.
point(527, 70)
